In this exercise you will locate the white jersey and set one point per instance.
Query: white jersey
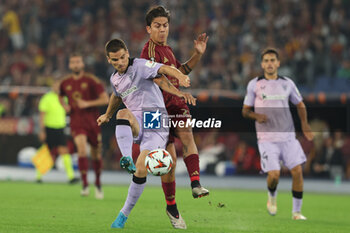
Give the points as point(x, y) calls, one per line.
point(271, 97)
point(136, 86)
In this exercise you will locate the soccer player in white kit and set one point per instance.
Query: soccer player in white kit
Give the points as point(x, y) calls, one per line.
point(270, 94)
point(136, 83)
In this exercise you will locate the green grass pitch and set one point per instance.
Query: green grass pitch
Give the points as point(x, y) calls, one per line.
point(48, 208)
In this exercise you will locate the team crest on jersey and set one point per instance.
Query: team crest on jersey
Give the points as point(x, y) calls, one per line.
point(69, 88)
point(284, 87)
point(84, 85)
point(76, 95)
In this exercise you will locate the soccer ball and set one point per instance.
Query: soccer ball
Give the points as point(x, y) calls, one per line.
point(158, 162)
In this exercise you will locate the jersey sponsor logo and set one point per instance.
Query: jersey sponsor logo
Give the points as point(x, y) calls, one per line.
point(151, 120)
point(150, 64)
point(128, 92)
point(69, 88)
point(273, 97)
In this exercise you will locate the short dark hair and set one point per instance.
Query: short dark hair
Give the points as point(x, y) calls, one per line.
point(269, 50)
point(156, 11)
point(114, 45)
point(75, 54)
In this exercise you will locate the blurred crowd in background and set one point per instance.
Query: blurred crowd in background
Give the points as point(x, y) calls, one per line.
point(37, 36)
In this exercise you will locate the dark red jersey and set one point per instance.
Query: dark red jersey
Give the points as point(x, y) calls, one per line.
point(175, 106)
point(87, 87)
point(163, 54)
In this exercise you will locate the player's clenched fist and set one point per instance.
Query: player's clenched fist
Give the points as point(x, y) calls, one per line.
point(261, 118)
point(103, 119)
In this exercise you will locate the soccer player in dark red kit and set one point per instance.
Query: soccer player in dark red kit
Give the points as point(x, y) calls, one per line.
point(85, 93)
point(156, 49)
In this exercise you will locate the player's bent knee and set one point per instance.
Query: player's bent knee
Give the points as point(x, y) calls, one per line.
point(140, 171)
point(123, 114)
point(274, 175)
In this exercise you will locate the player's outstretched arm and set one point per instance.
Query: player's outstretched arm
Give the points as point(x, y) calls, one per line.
point(184, 80)
point(200, 45)
point(114, 102)
point(305, 127)
point(166, 85)
point(100, 101)
point(247, 112)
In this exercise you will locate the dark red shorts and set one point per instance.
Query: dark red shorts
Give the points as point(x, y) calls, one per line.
point(92, 132)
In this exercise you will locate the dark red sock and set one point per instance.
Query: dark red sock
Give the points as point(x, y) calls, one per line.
point(169, 192)
point(192, 164)
point(83, 164)
point(97, 165)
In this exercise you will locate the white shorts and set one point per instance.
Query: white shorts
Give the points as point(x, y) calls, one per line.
point(272, 153)
point(151, 139)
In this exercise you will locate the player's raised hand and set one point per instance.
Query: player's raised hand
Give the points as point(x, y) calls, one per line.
point(184, 81)
point(200, 44)
point(307, 131)
point(189, 99)
point(103, 119)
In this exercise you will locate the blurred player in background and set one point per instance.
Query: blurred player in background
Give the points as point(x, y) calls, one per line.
point(85, 93)
point(135, 83)
point(52, 122)
point(270, 95)
point(156, 49)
